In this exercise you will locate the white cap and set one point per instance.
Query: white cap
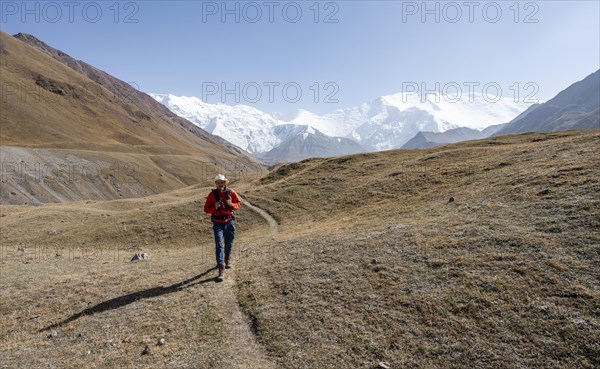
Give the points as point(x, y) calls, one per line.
point(220, 177)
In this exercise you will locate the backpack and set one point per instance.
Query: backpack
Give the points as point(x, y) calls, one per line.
point(215, 192)
point(218, 197)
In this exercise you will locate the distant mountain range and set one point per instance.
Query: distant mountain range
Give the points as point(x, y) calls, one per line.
point(405, 121)
point(424, 140)
point(387, 122)
point(576, 107)
point(309, 142)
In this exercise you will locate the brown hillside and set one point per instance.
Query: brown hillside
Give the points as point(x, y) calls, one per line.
point(375, 262)
point(125, 94)
point(372, 263)
point(57, 119)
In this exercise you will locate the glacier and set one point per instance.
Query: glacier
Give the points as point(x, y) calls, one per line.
point(386, 122)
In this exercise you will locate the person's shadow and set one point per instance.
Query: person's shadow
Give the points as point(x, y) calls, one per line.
point(120, 301)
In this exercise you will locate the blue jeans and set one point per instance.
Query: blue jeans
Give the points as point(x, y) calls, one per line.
point(224, 236)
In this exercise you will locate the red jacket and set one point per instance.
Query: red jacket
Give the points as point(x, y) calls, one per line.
point(224, 210)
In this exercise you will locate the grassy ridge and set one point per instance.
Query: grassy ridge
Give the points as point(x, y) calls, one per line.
point(377, 265)
point(372, 263)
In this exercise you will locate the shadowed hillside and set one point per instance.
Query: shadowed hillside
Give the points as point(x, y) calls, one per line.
point(576, 107)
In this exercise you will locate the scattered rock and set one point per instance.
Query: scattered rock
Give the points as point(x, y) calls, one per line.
point(384, 365)
point(140, 256)
point(451, 199)
point(53, 334)
point(147, 350)
point(544, 192)
point(52, 231)
point(374, 261)
point(397, 226)
point(21, 249)
point(161, 342)
point(56, 87)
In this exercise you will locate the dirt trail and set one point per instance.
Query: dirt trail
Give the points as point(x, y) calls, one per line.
point(104, 310)
point(272, 223)
point(244, 348)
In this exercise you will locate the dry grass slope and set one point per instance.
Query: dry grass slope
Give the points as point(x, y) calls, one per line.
point(72, 134)
point(72, 299)
point(375, 264)
point(371, 263)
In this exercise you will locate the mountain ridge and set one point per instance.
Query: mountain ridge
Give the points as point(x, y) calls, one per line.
point(575, 107)
point(425, 140)
point(65, 137)
point(120, 90)
point(385, 123)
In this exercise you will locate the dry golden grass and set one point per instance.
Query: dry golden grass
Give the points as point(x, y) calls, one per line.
point(65, 137)
point(105, 311)
point(375, 264)
point(371, 263)
point(48, 104)
point(74, 278)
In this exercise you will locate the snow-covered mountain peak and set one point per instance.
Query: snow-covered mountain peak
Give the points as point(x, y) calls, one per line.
point(242, 125)
point(386, 122)
point(475, 111)
point(310, 130)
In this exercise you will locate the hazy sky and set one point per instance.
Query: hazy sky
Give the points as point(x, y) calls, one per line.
point(281, 55)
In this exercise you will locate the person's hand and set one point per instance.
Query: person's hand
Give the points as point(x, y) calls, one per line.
point(217, 205)
point(229, 203)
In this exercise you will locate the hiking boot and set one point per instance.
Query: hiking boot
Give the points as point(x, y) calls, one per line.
point(221, 276)
point(228, 263)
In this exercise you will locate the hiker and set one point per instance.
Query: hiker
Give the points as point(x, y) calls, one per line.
point(221, 203)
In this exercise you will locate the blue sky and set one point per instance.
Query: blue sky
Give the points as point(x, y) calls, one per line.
point(324, 55)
